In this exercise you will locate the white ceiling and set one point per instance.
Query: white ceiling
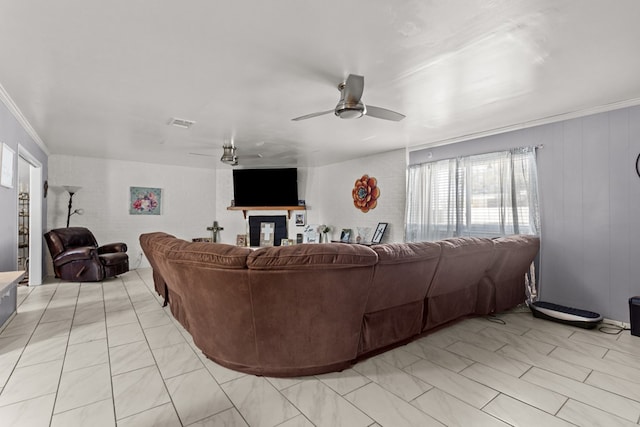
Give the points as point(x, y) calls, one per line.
point(103, 78)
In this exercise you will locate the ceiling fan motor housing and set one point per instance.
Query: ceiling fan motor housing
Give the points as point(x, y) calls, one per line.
point(346, 110)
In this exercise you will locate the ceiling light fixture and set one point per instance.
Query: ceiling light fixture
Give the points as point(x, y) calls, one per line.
point(229, 155)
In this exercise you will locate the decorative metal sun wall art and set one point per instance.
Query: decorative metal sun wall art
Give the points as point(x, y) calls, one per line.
point(366, 193)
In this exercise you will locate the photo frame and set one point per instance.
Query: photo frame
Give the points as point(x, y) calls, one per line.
point(241, 240)
point(301, 219)
point(145, 201)
point(345, 235)
point(377, 235)
point(267, 233)
point(7, 162)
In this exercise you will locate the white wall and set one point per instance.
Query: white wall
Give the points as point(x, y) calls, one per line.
point(188, 199)
point(329, 194)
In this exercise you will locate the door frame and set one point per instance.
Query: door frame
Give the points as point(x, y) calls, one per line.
point(36, 201)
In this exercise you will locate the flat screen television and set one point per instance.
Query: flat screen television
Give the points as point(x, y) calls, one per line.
point(265, 187)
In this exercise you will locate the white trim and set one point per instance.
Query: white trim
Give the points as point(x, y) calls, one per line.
point(35, 216)
point(543, 121)
point(13, 108)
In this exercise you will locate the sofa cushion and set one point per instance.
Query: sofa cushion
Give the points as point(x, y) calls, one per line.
point(311, 256)
point(210, 255)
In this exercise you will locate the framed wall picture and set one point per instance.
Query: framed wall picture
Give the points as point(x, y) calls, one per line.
point(145, 201)
point(301, 219)
point(377, 235)
point(7, 161)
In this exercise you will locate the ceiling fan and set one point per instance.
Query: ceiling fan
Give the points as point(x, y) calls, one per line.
point(231, 158)
point(351, 106)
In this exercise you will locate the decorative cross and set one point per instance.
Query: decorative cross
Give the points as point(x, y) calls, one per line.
point(267, 230)
point(215, 228)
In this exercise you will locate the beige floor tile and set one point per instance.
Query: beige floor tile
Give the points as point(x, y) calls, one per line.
point(98, 414)
point(489, 358)
point(532, 394)
point(299, 421)
point(517, 413)
point(552, 364)
point(31, 381)
point(597, 364)
point(160, 416)
point(41, 349)
point(474, 338)
point(10, 350)
point(258, 401)
point(219, 372)
point(630, 360)
point(390, 378)
point(163, 336)
point(121, 317)
point(454, 412)
point(585, 393)
point(58, 328)
point(343, 382)
point(453, 383)
point(615, 385)
point(28, 413)
point(137, 391)
point(129, 357)
point(563, 342)
point(86, 354)
point(124, 334)
point(82, 387)
point(438, 355)
point(323, 406)
point(388, 409)
point(228, 418)
point(399, 357)
point(521, 343)
point(87, 332)
point(587, 416)
point(176, 360)
point(154, 318)
point(282, 383)
point(197, 396)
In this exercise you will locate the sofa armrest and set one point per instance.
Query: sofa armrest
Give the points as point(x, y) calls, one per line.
point(112, 247)
point(75, 254)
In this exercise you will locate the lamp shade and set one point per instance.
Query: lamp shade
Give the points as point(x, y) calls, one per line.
point(72, 189)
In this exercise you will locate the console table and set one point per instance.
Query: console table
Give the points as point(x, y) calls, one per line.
point(8, 294)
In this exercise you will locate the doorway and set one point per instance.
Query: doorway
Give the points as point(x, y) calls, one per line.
point(30, 202)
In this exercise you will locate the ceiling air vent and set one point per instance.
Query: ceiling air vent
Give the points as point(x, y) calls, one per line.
point(181, 123)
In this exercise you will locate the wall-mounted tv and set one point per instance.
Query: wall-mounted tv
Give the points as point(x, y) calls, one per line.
point(265, 187)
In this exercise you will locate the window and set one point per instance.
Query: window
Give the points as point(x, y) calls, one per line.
point(487, 195)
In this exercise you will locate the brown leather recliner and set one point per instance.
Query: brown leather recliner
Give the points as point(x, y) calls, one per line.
point(78, 258)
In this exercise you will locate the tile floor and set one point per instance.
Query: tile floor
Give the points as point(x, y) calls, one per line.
point(97, 354)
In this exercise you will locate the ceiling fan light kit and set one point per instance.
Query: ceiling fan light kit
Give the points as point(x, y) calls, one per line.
point(351, 106)
point(229, 156)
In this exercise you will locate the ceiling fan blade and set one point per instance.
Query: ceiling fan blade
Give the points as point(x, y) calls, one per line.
point(309, 116)
point(383, 113)
point(202, 154)
point(353, 88)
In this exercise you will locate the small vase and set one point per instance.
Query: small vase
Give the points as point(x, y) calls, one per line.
point(324, 238)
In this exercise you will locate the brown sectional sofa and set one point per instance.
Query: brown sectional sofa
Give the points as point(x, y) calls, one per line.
point(309, 309)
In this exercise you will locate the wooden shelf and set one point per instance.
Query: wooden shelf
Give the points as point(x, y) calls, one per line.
point(244, 209)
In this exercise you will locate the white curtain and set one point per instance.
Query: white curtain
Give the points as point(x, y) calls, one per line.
point(486, 195)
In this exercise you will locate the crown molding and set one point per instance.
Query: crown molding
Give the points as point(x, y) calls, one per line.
point(13, 108)
point(539, 122)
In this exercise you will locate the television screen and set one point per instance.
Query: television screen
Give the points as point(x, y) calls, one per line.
point(265, 187)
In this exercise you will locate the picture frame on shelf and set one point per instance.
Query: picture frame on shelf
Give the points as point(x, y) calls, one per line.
point(379, 233)
point(241, 240)
point(267, 233)
point(345, 235)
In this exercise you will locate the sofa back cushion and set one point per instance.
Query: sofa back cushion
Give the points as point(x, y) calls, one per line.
point(312, 257)
point(503, 287)
point(454, 291)
point(403, 273)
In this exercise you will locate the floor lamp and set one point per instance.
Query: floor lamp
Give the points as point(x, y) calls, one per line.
point(72, 190)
